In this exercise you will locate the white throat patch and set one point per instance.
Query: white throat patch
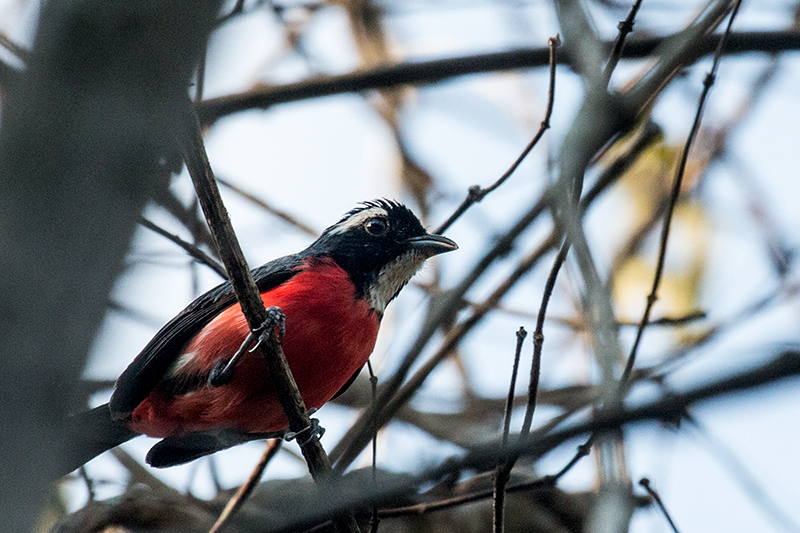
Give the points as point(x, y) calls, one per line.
point(357, 219)
point(394, 277)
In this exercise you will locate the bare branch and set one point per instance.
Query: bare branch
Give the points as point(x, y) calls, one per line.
point(426, 72)
point(238, 499)
point(253, 309)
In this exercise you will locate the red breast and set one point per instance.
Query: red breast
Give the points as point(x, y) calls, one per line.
point(330, 333)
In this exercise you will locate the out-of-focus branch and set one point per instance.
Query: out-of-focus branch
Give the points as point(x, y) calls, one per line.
point(426, 72)
point(392, 397)
point(668, 408)
point(84, 127)
point(283, 215)
point(193, 250)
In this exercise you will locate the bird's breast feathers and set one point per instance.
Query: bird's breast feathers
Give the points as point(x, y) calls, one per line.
point(330, 333)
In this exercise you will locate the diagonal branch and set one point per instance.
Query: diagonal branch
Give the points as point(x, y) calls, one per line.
point(253, 309)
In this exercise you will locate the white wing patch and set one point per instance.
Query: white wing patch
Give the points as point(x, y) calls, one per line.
point(357, 219)
point(183, 360)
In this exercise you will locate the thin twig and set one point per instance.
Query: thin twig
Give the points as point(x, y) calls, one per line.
point(193, 250)
point(504, 466)
point(644, 482)
point(238, 499)
point(477, 193)
point(625, 27)
point(252, 306)
point(283, 215)
point(676, 190)
point(461, 499)
point(391, 397)
point(538, 335)
point(373, 381)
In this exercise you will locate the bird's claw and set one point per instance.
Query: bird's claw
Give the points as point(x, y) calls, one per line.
point(275, 317)
point(304, 436)
point(222, 372)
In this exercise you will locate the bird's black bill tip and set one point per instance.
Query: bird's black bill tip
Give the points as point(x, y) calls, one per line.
point(432, 244)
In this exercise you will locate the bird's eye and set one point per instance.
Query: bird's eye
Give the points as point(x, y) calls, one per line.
point(376, 227)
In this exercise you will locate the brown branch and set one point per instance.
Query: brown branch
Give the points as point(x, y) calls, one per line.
point(193, 250)
point(644, 482)
point(625, 27)
point(503, 470)
point(238, 499)
point(426, 72)
point(248, 296)
point(476, 193)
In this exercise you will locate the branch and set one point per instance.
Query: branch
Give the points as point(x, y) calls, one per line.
point(193, 250)
point(84, 126)
point(673, 200)
point(669, 408)
point(238, 499)
point(249, 298)
point(477, 193)
point(427, 72)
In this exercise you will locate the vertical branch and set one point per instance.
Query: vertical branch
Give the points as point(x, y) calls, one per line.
point(676, 190)
point(504, 465)
point(625, 27)
point(373, 382)
point(253, 309)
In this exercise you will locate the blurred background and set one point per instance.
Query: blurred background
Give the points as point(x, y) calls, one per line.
point(728, 300)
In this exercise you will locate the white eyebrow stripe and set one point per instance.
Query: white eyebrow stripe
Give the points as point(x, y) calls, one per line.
point(357, 219)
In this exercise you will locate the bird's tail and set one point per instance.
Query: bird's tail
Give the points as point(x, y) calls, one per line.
point(89, 434)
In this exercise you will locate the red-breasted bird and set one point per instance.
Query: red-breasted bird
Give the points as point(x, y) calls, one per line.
point(333, 295)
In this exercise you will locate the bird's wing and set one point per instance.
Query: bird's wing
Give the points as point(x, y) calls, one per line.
point(153, 362)
point(347, 385)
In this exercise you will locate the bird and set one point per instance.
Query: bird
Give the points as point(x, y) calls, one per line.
point(330, 298)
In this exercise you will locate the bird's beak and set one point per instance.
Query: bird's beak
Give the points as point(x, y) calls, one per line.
point(431, 245)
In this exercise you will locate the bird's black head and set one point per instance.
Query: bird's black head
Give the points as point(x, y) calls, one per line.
point(380, 244)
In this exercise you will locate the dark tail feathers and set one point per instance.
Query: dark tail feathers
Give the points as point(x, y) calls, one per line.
point(89, 434)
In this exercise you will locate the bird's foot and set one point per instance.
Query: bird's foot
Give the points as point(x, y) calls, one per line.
point(304, 436)
point(275, 318)
point(222, 372)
